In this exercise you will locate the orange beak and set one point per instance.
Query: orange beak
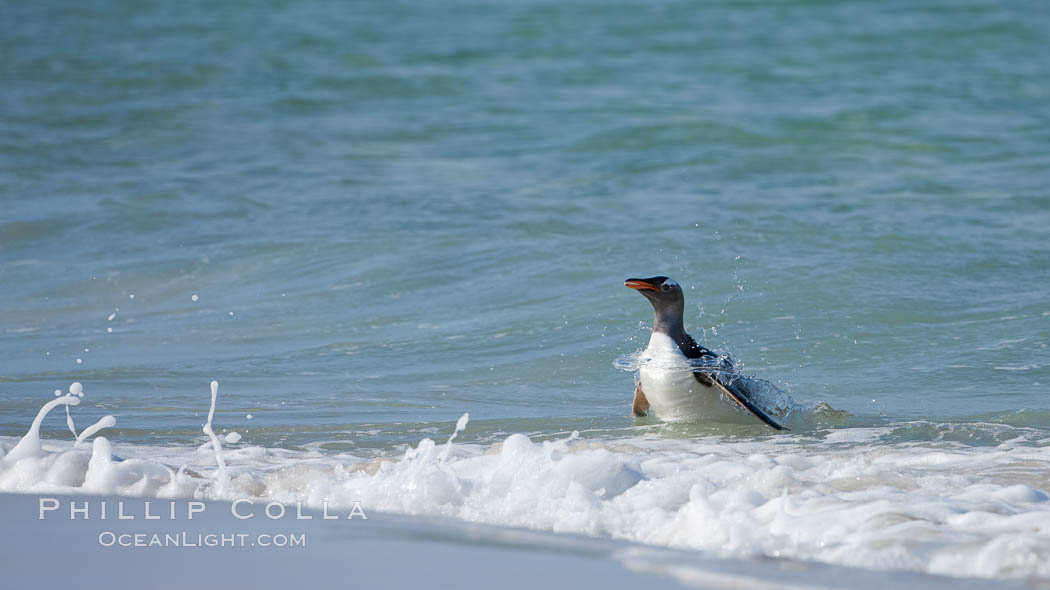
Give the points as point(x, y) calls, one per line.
point(639, 285)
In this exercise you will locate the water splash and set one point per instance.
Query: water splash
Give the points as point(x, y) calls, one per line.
point(630, 362)
point(461, 425)
point(106, 422)
point(76, 389)
point(29, 445)
point(221, 476)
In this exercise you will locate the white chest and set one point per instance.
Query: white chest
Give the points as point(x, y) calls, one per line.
point(673, 392)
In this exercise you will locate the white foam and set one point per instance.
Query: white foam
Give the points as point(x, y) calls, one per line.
point(855, 435)
point(849, 498)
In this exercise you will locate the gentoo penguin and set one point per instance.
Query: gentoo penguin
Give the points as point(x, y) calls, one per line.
point(679, 379)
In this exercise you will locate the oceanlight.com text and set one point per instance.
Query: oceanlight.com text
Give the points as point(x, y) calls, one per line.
point(200, 540)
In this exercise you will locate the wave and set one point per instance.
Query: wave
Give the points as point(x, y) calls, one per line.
point(878, 497)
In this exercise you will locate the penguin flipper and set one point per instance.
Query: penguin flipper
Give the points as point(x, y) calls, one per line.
point(640, 407)
point(737, 395)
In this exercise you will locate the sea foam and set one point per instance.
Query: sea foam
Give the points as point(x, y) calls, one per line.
point(850, 497)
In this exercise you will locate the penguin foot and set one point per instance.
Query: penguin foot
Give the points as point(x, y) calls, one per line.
point(640, 407)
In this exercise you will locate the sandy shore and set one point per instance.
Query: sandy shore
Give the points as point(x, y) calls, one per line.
point(179, 543)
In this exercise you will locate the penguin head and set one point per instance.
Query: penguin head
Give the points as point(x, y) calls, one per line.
point(662, 292)
point(668, 302)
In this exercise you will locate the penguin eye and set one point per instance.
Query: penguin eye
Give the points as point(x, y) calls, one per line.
point(665, 287)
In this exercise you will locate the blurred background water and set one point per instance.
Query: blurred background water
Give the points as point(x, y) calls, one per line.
point(394, 212)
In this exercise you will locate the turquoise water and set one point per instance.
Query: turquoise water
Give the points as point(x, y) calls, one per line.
point(396, 212)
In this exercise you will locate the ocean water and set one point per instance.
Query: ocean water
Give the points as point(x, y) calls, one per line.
point(368, 219)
